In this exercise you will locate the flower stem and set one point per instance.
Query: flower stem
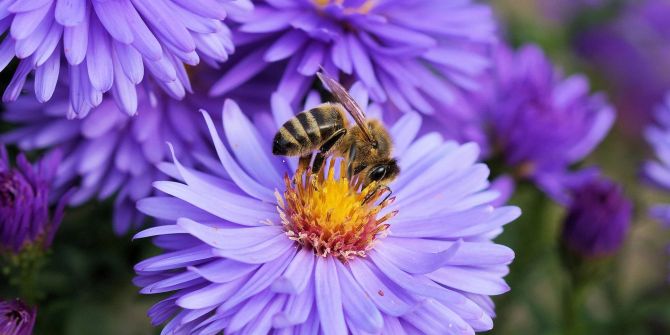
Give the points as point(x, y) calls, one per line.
point(573, 301)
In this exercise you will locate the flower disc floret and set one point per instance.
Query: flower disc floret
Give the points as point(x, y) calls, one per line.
point(331, 215)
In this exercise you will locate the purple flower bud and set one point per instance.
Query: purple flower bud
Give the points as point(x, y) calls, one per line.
point(24, 202)
point(16, 318)
point(598, 218)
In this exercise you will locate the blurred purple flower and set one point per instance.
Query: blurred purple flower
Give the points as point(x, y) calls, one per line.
point(109, 152)
point(16, 318)
point(240, 256)
point(415, 54)
point(539, 121)
point(598, 219)
point(24, 202)
point(657, 172)
point(639, 74)
point(108, 45)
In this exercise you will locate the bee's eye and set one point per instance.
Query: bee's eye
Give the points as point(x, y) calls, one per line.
point(378, 173)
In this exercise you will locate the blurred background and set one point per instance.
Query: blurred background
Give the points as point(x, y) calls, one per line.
point(88, 279)
point(632, 295)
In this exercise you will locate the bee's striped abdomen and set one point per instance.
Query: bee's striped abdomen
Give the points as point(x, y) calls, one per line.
point(306, 132)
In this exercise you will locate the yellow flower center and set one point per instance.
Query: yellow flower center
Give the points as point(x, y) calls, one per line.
point(330, 215)
point(363, 8)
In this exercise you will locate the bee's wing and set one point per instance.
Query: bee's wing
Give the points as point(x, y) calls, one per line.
point(343, 97)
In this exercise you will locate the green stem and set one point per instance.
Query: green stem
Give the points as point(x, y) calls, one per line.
point(573, 301)
point(22, 271)
point(528, 236)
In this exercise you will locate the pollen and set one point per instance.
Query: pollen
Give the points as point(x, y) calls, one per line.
point(332, 215)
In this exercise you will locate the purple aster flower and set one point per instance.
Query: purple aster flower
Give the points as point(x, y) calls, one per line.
point(16, 318)
point(540, 122)
point(108, 44)
point(24, 202)
point(263, 248)
point(109, 152)
point(639, 75)
point(598, 218)
point(657, 172)
point(414, 54)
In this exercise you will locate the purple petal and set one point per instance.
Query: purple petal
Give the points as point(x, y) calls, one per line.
point(169, 208)
point(414, 261)
point(472, 280)
point(210, 295)
point(25, 22)
point(75, 41)
point(384, 297)
point(160, 230)
point(131, 61)
point(175, 259)
point(261, 280)
point(481, 254)
point(269, 21)
point(234, 200)
point(16, 84)
point(363, 67)
point(144, 40)
point(27, 46)
point(98, 59)
point(298, 306)
point(244, 70)
point(124, 91)
point(207, 8)
point(173, 283)
point(159, 14)
point(224, 270)
point(359, 307)
point(419, 285)
point(260, 253)
point(294, 280)
point(70, 13)
point(285, 46)
point(27, 5)
point(6, 52)
point(48, 45)
point(251, 308)
point(214, 206)
point(46, 77)
point(340, 55)
point(328, 297)
point(162, 69)
point(263, 323)
point(433, 318)
point(312, 58)
point(243, 180)
point(230, 238)
point(250, 150)
point(404, 131)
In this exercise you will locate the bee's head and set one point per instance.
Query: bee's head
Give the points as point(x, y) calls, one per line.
point(383, 172)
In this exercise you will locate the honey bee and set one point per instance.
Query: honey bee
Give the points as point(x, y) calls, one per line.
point(325, 128)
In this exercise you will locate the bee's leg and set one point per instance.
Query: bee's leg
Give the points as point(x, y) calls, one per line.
point(303, 163)
point(375, 191)
point(350, 165)
point(390, 191)
point(325, 148)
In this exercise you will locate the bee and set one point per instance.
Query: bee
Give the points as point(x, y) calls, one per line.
point(325, 128)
